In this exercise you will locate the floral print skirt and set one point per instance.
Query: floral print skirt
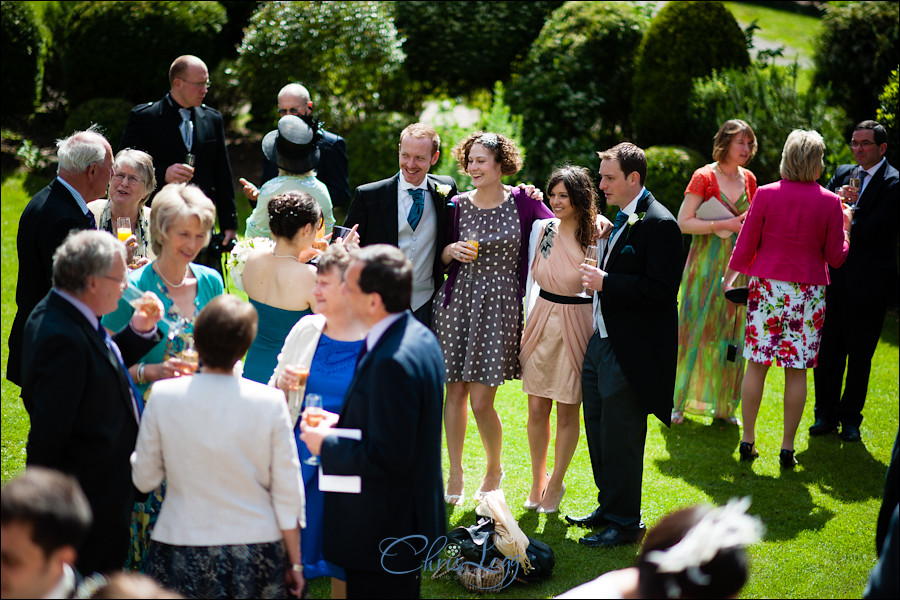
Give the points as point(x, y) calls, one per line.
point(784, 323)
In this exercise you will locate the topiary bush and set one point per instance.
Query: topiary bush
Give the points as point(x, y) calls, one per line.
point(130, 45)
point(573, 89)
point(768, 100)
point(22, 59)
point(345, 53)
point(858, 46)
point(887, 116)
point(685, 40)
point(110, 113)
point(669, 170)
point(501, 35)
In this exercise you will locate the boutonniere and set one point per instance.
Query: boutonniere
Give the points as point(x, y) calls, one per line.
point(442, 189)
point(633, 219)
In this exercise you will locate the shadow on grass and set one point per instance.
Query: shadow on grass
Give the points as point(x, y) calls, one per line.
point(704, 456)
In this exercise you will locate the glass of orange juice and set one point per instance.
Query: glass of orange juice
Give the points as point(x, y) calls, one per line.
point(123, 228)
point(313, 416)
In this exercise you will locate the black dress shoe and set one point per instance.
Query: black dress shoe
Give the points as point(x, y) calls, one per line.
point(823, 427)
point(595, 519)
point(850, 433)
point(614, 536)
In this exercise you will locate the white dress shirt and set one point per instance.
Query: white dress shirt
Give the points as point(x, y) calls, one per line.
point(420, 245)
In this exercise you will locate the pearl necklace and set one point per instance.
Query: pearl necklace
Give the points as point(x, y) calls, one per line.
point(737, 177)
point(169, 283)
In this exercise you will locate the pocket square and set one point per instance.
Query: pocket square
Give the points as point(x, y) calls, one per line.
point(628, 249)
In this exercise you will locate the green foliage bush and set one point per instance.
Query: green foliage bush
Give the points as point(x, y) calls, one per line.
point(887, 116)
point(372, 147)
point(129, 46)
point(685, 40)
point(22, 59)
point(459, 47)
point(768, 100)
point(858, 47)
point(669, 170)
point(111, 114)
point(347, 54)
point(573, 89)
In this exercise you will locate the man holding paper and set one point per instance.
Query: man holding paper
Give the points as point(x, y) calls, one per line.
point(381, 534)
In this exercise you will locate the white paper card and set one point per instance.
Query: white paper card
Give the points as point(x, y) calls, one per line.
point(344, 484)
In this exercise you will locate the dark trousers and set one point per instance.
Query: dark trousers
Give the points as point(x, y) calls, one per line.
point(381, 584)
point(615, 422)
point(423, 313)
point(849, 338)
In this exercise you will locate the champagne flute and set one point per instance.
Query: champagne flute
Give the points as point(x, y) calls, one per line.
point(189, 355)
point(590, 258)
point(313, 416)
point(295, 396)
point(853, 185)
point(134, 296)
point(123, 228)
point(470, 236)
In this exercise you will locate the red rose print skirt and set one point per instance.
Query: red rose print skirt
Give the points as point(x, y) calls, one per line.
point(784, 323)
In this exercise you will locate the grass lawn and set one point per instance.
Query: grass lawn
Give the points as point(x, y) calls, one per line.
point(820, 518)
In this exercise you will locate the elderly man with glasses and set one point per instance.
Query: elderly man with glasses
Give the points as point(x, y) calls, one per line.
point(331, 169)
point(856, 300)
point(186, 139)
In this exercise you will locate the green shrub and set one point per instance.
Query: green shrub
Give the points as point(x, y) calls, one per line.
point(485, 38)
point(345, 53)
point(887, 116)
point(685, 40)
point(111, 114)
point(768, 100)
point(669, 170)
point(858, 47)
point(130, 46)
point(372, 147)
point(22, 59)
point(573, 89)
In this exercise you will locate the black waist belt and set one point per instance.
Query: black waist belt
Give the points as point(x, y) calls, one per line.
point(565, 299)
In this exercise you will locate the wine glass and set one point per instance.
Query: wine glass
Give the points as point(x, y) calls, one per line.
point(123, 228)
point(313, 415)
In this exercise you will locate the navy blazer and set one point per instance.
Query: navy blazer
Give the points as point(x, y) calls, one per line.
point(640, 304)
point(154, 128)
point(374, 209)
point(396, 399)
point(870, 271)
point(82, 419)
point(46, 221)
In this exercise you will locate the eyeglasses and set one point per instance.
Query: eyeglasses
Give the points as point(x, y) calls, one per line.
point(130, 179)
point(289, 111)
point(864, 144)
point(122, 282)
point(202, 84)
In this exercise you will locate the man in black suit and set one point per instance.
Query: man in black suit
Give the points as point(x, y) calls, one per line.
point(83, 408)
point(857, 298)
point(381, 535)
point(331, 168)
point(629, 367)
point(180, 129)
point(85, 166)
point(409, 210)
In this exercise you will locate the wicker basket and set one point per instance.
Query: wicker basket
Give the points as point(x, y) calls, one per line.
point(476, 578)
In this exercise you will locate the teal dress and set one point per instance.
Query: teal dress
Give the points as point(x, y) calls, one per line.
point(274, 326)
point(209, 285)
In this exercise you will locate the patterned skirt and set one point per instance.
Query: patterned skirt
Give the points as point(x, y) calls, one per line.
point(784, 323)
point(234, 571)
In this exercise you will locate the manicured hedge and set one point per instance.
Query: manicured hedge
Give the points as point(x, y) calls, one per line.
point(22, 58)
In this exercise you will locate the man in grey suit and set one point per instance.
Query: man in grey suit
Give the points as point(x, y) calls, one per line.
point(409, 210)
point(85, 166)
point(381, 535)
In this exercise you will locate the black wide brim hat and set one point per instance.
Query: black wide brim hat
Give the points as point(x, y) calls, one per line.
point(293, 145)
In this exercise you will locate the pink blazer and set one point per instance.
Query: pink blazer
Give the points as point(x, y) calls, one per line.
point(792, 233)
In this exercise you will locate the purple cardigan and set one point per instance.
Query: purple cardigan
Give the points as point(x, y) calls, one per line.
point(529, 211)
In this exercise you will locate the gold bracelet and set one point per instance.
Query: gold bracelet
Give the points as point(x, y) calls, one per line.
point(140, 374)
point(711, 229)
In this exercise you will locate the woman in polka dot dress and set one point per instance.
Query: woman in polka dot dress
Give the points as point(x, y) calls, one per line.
point(478, 311)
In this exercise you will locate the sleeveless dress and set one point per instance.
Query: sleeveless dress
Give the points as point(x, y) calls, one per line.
point(274, 325)
point(707, 383)
point(330, 375)
point(556, 335)
point(481, 326)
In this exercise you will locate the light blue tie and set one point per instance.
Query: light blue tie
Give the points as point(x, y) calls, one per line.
point(137, 401)
point(186, 127)
point(415, 213)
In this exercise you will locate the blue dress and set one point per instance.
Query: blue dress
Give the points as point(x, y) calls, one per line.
point(329, 376)
point(274, 325)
